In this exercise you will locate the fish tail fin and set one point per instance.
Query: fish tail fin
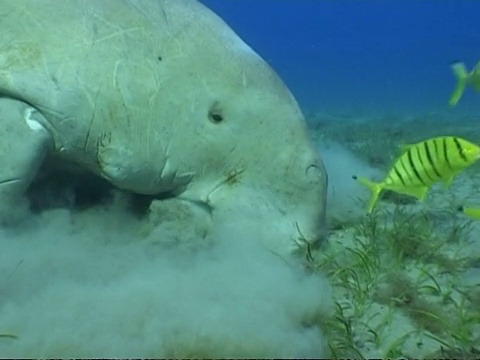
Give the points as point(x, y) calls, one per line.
point(461, 74)
point(473, 213)
point(375, 189)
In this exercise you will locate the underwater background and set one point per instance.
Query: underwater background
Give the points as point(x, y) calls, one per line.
point(369, 56)
point(90, 280)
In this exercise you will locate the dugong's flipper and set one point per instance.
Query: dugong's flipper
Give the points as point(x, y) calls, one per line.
point(24, 143)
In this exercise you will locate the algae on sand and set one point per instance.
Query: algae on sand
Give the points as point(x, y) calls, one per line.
point(399, 271)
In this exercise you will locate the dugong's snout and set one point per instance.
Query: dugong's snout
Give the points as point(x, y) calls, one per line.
point(312, 181)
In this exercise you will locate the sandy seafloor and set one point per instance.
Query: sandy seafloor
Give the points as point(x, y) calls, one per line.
point(407, 277)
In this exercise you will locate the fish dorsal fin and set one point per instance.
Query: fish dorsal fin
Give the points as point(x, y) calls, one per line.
point(404, 147)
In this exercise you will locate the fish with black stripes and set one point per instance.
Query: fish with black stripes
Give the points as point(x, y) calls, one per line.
point(421, 165)
point(464, 78)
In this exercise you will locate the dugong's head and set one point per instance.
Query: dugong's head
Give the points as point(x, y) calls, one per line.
point(235, 126)
point(226, 135)
point(163, 97)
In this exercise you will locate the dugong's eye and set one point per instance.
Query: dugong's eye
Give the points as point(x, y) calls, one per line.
point(215, 117)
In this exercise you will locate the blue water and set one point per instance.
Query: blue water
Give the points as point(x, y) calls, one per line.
point(368, 56)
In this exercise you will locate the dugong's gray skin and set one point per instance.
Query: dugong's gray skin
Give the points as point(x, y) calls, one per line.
point(155, 96)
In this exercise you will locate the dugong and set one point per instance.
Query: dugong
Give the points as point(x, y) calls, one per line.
point(159, 97)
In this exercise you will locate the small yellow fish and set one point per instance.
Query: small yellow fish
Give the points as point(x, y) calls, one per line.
point(471, 212)
point(464, 78)
point(423, 164)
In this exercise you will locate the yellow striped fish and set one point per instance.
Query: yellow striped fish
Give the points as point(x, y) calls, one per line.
point(464, 78)
point(423, 164)
point(471, 212)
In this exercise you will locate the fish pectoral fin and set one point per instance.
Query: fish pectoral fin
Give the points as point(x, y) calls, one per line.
point(447, 182)
point(420, 192)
